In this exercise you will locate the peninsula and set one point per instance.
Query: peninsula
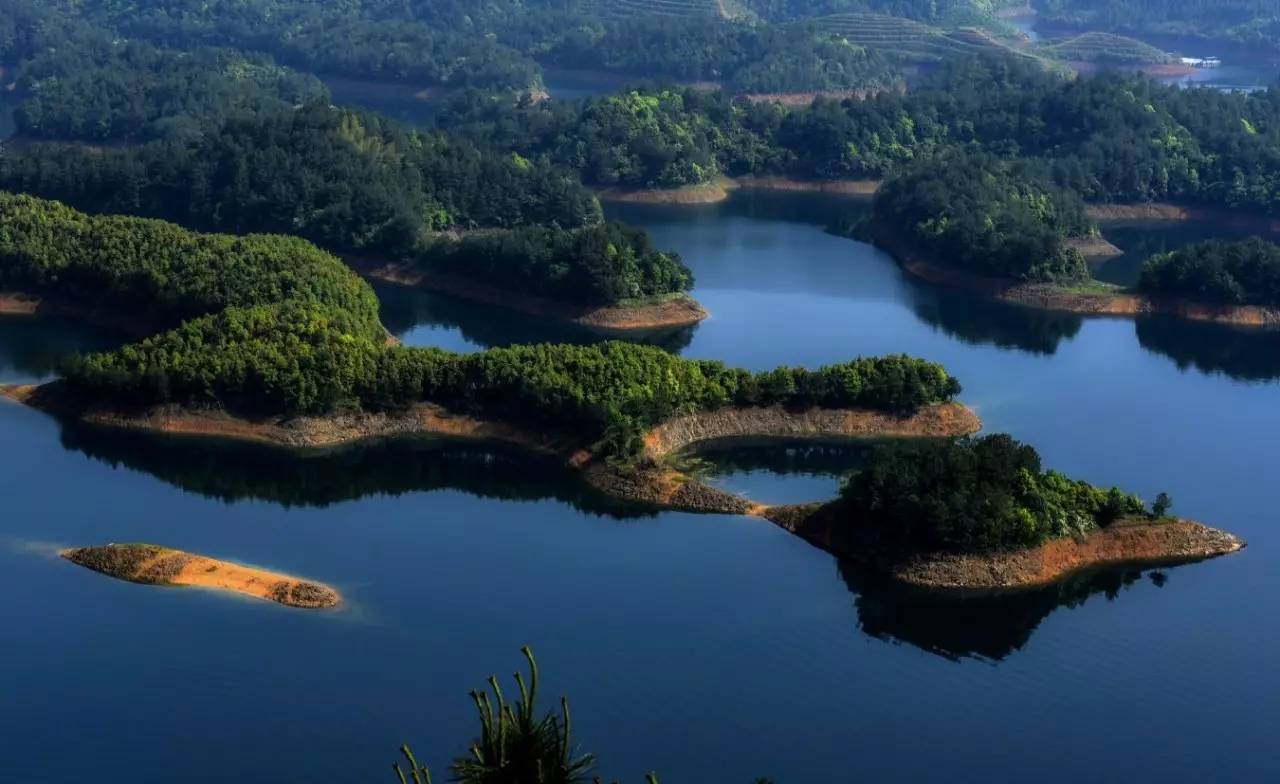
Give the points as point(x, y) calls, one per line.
point(270, 339)
point(150, 564)
point(1001, 230)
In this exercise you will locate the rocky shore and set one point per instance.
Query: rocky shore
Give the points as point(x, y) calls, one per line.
point(1139, 542)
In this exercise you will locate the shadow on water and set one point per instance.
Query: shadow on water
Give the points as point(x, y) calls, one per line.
point(231, 471)
point(33, 349)
point(406, 309)
point(1241, 354)
point(986, 626)
point(979, 322)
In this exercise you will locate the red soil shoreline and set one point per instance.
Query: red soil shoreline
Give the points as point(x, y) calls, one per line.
point(652, 482)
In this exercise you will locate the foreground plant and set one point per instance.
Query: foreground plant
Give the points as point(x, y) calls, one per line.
point(515, 745)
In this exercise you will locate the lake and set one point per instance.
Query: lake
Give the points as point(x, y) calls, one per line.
point(708, 648)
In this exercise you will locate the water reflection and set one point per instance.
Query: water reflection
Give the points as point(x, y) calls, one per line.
point(32, 349)
point(979, 322)
point(776, 471)
point(424, 318)
point(231, 472)
point(989, 626)
point(1241, 354)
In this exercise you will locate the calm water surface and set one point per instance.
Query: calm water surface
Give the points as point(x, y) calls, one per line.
point(713, 649)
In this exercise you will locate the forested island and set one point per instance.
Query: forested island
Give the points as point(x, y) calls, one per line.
point(982, 513)
point(389, 198)
point(268, 338)
point(1005, 230)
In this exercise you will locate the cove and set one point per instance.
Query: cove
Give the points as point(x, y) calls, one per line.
point(706, 647)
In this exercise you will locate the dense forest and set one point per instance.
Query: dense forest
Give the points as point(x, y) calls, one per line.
point(110, 91)
point(1228, 273)
point(741, 57)
point(347, 179)
point(1111, 137)
point(1250, 22)
point(972, 494)
point(981, 214)
point(594, 265)
point(276, 326)
point(352, 182)
point(373, 39)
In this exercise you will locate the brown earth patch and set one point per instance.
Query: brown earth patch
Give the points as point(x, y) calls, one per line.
point(936, 421)
point(1136, 542)
point(153, 565)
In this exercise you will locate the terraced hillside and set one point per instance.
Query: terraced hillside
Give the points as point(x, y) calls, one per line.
point(630, 9)
point(913, 41)
point(1103, 48)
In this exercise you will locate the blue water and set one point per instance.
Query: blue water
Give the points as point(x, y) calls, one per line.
point(709, 648)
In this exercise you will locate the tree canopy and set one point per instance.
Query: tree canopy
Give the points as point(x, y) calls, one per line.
point(972, 494)
point(1229, 273)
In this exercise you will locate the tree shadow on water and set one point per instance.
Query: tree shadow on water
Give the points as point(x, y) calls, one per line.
point(234, 471)
point(989, 626)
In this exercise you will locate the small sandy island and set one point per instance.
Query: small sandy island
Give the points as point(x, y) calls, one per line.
point(151, 564)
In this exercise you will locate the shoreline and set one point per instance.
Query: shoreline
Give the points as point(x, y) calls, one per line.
point(1089, 302)
point(148, 564)
point(653, 482)
point(1146, 543)
point(649, 482)
point(720, 189)
point(677, 311)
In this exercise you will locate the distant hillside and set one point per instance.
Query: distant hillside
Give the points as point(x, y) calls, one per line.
point(1103, 48)
point(913, 41)
point(620, 9)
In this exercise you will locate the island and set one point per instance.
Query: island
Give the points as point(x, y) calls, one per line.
point(607, 276)
point(981, 513)
point(1002, 230)
point(151, 564)
point(270, 339)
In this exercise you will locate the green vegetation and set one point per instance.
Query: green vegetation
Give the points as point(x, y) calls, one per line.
point(1228, 273)
point(740, 56)
point(906, 40)
point(1103, 48)
point(105, 90)
point(987, 216)
point(1111, 137)
point(594, 265)
point(346, 179)
point(274, 326)
point(422, 42)
point(973, 494)
point(1249, 22)
point(515, 745)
